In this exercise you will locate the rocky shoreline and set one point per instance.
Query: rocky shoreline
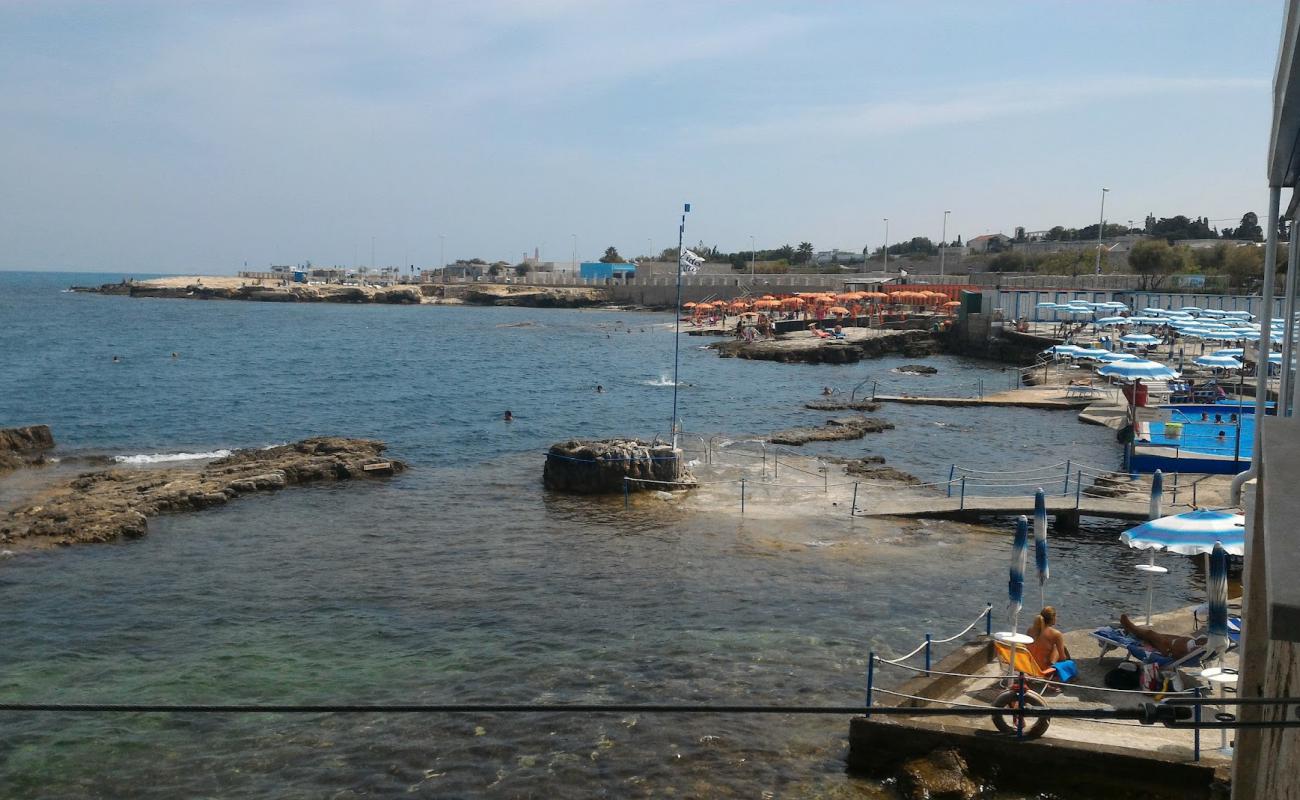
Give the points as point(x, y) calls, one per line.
point(226, 288)
point(806, 348)
point(113, 503)
point(24, 447)
point(835, 430)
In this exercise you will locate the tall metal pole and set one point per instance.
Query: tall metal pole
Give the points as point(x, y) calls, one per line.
point(886, 267)
point(943, 243)
point(1265, 343)
point(677, 310)
point(574, 268)
point(753, 256)
point(1288, 334)
point(1101, 226)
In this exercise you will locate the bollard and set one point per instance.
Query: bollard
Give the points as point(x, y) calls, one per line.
point(871, 677)
point(962, 503)
point(1196, 732)
point(927, 655)
point(988, 620)
point(742, 495)
point(625, 493)
point(853, 509)
point(951, 471)
point(1020, 710)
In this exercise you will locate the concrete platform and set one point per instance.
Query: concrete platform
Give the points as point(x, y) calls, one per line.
point(1053, 398)
point(1067, 510)
point(1086, 758)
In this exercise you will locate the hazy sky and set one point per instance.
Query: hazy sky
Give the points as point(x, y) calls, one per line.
point(193, 137)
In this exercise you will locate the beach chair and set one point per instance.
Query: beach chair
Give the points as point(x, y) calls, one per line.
point(1025, 662)
point(1112, 637)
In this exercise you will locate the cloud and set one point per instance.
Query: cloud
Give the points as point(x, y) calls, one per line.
point(975, 104)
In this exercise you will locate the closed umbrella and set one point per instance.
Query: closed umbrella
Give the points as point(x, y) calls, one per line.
point(1040, 544)
point(1153, 512)
point(1016, 581)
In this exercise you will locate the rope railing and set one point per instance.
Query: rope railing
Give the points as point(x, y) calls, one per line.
point(927, 646)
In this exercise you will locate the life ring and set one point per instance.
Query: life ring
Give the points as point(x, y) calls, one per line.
point(1005, 721)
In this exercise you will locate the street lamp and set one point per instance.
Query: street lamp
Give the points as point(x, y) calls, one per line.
point(574, 268)
point(943, 243)
point(886, 261)
point(1101, 225)
point(442, 255)
point(753, 256)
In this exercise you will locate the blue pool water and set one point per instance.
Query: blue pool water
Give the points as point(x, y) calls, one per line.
point(1231, 436)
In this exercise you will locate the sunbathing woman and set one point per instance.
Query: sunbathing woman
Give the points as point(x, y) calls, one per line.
point(1049, 644)
point(1164, 643)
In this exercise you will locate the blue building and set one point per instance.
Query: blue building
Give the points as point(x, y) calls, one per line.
point(599, 270)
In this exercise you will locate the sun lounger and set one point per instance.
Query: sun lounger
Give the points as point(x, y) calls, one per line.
point(1113, 638)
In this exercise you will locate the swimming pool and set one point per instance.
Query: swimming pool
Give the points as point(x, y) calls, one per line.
point(1206, 438)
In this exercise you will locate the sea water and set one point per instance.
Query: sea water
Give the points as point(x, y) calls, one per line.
point(462, 580)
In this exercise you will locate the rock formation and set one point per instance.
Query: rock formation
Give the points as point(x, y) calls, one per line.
point(107, 504)
point(941, 775)
point(916, 369)
point(835, 430)
point(599, 466)
point(845, 404)
point(804, 349)
point(22, 447)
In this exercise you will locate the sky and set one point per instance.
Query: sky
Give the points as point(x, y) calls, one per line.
point(199, 137)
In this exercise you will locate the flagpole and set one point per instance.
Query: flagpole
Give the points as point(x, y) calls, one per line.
point(677, 310)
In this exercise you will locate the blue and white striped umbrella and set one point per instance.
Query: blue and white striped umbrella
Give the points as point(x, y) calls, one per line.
point(1235, 352)
point(1047, 305)
point(1106, 322)
point(1191, 533)
point(1217, 362)
point(1040, 544)
point(1016, 581)
point(1064, 350)
point(1133, 370)
point(1217, 588)
point(1108, 357)
point(1139, 338)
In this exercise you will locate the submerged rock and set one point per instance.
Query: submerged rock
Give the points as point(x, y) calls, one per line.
point(114, 503)
point(941, 775)
point(584, 466)
point(835, 430)
point(916, 369)
point(832, 404)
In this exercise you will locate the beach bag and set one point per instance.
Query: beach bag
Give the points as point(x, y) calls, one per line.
point(1151, 681)
point(1124, 676)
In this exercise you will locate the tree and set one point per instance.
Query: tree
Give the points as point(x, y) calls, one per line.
point(1248, 230)
point(611, 256)
point(785, 251)
point(804, 253)
point(1056, 234)
point(1154, 260)
point(1244, 266)
point(669, 254)
point(1007, 262)
point(522, 270)
point(494, 270)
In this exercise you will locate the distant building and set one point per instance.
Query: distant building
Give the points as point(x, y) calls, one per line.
point(600, 270)
point(988, 243)
point(838, 257)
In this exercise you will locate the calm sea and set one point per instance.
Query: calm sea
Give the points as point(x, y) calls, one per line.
point(462, 579)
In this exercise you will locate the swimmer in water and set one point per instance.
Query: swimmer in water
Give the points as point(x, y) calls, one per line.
point(508, 416)
point(116, 359)
point(600, 389)
point(1222, 435)
point(175, 355)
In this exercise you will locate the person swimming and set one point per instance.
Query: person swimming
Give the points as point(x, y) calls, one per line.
point(508, 416)
point(176, 355)
point(600, 389)
point(1221, 435)
point(1218, 419)
point(116, 359)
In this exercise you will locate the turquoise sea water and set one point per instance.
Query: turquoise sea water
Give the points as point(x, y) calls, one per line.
point(462, 579)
